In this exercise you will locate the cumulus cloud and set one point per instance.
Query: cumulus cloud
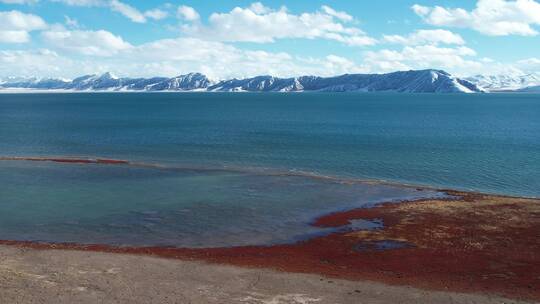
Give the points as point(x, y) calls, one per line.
point(205, 48)
point(99, 51)
point(216, 59)
point(15, 26)
point(156, 14)
point(490, 17)
point(261, 24)
point(120, 7)
point(426, 37)
point(15, 20)
point(259, 8)
point(94, 43)
point(337, 65)
point(339, 15)
point(166, 57)
point(529, 65)
point(187, 13)
point(32, 62)
point(128, 11)
point(82, 2)
point(530, 61)
point(14, 36)
point(422, 57)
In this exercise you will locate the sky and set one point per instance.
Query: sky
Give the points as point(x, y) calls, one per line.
point(236, 39)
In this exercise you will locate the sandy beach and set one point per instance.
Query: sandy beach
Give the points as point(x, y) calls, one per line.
point(469, 248)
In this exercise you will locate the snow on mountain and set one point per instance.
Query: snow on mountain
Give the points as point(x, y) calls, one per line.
point(189, 82)
point(34, 83)
point(259, 84)
point(95, 82)
point(14, 79)
point(505, 82)
point(109, 82)
point(423, 81)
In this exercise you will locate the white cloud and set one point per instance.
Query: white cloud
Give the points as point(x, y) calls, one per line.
point(15, 26)
point(216, 59)
point(98, 52)
point(128, 11)
point(156, 14)
point(15, 20)
point(259, 8)
point(94, 43)
point(32, 63)
point(82, 2)
point(187, 13)
point(73, 51)
point(261, 24)
point(530, 61)
point(167, 57)
point(120, 7)
point(426, 37)
point(529, 65)
point(336, 65)
point(421, 10)
point(490, 17)
point(453, 59)
point(14, 37)
point(340, 15)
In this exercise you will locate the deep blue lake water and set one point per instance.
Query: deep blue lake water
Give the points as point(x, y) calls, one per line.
point(224, 157)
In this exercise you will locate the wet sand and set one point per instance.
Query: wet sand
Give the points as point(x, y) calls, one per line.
point(473, 243)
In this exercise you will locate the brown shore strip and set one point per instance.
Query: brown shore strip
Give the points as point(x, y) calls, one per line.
point(474, 242)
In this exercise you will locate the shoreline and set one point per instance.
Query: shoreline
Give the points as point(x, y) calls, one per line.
point(469, 242)
point(16, 91)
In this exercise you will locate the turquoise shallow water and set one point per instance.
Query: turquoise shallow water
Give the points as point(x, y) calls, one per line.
point(488, 142)
point(171, 207)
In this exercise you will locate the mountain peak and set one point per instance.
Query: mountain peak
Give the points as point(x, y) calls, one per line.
point(107, 75)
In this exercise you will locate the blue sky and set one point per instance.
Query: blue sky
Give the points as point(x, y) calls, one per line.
point(67, 38)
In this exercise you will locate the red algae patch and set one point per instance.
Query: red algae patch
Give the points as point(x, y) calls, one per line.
point(112, 161)
point(470, 243)
point(69, 160)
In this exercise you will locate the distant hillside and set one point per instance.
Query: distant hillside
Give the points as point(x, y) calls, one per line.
point(494, 83)
point(534, 89)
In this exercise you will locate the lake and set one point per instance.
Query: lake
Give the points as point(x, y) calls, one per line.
point(221, 169)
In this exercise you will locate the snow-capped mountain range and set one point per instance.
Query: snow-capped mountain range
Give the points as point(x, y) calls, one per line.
point(421, 81)
point(424, 81)
point(108, 82)
point(511, 82)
